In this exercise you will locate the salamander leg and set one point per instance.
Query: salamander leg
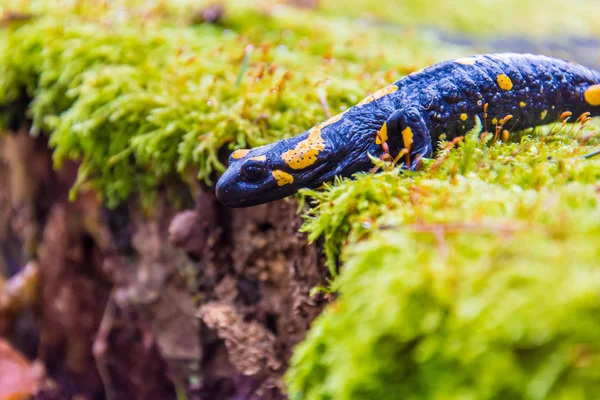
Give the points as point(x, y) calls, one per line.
point(409, 127)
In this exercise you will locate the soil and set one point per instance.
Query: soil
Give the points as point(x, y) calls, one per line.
point(128, 303)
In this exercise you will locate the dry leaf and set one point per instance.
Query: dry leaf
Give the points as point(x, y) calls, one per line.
point(19, 378)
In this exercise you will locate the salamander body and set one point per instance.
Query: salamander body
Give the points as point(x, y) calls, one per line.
point(446, 98)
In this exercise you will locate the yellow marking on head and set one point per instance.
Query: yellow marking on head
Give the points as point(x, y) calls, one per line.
point(378, 94)
point(282, 177)
point(504, 82)
point(592, 95)
point(543, 114)
point(305, 153)
point(494, 121)
point(239, 153)
point(407, 136)
point(259, 158)
point(382, 135)
point(464, 117)
point(465, 61)
point(522, 104)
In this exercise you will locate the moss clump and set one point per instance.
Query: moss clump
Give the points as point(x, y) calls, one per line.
point(475, 279)
point(463, 312)
point(530, 161)
point(140, 100)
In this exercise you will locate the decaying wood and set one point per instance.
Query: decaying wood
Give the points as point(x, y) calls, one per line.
point(204, 299)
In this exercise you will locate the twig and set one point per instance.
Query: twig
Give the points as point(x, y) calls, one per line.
point(324, 104)
point(244, 66)
point(101, 344)
point(457, 227)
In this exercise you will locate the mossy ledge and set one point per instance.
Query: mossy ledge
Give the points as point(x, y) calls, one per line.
point(478, 278)
point(141, 97)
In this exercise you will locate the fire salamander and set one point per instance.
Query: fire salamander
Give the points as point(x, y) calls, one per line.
point(446, 98)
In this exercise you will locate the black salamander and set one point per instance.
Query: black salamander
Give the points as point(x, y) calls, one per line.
point(446, 98)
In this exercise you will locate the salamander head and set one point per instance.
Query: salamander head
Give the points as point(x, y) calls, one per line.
point(280, 169)
point(274, 171)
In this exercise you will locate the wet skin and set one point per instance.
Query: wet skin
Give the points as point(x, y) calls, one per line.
point(446, 98)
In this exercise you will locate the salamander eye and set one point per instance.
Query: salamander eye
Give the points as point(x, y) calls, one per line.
point(254, 170)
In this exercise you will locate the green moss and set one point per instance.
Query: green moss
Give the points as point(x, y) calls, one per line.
point(351, 209)
point(138, 103)
point(468, 311)
point(476, 279)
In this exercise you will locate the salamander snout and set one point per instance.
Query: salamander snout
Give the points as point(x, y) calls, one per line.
point(240, 183)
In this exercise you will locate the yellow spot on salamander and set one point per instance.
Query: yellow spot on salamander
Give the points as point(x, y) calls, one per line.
point(465, 61)
point(543, 114)
point(504, 82)
point(259, 158)
point(407, 136)
point(382, 135)
point(522, 104)
point(592, 95)
point(464, 117)
point(379, 94)
point(282, 177)
point(332, 120)
point(239, 153)
point(305, 153)
point(494, 121)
